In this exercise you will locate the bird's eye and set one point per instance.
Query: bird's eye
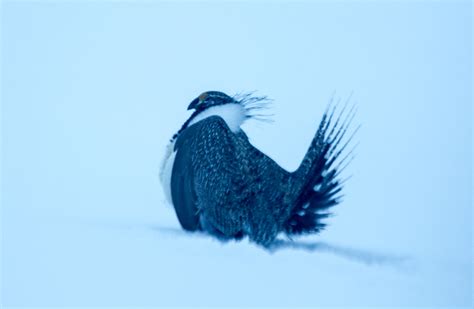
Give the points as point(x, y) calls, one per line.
point(203, 96)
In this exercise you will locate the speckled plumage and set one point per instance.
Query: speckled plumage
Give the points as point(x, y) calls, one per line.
point(223, 185)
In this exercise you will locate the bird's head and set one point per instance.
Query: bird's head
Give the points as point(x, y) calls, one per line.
point(233, 109)
point(211, 98)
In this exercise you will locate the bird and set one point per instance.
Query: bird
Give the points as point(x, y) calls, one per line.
point(222, 185)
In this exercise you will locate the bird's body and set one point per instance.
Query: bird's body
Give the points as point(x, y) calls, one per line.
point(221, 184)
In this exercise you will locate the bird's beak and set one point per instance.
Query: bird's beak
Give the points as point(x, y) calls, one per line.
point(193, 104)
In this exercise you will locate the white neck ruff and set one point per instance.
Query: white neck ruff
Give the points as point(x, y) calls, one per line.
point(233, 114)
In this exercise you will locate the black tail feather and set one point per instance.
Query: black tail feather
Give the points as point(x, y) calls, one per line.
point(321, 169)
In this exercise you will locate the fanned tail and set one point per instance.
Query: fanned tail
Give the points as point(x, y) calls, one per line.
point(318, 176)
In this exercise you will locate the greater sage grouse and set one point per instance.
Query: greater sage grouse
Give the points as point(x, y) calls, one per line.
point(220, 184)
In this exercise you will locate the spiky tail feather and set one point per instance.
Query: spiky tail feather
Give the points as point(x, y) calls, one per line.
point(319, 173)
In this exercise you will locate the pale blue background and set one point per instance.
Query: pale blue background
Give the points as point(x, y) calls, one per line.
point(91, 92)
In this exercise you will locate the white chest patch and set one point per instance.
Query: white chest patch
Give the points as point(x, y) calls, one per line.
point(166, 170)
point(233, 114)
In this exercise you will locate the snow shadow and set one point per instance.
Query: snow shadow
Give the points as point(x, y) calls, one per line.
point(366, 257)
point(362, 256)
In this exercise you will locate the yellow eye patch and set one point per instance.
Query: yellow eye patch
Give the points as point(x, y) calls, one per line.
point(203, 96)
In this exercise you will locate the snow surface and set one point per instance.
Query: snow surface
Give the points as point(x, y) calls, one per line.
point(92, 93)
